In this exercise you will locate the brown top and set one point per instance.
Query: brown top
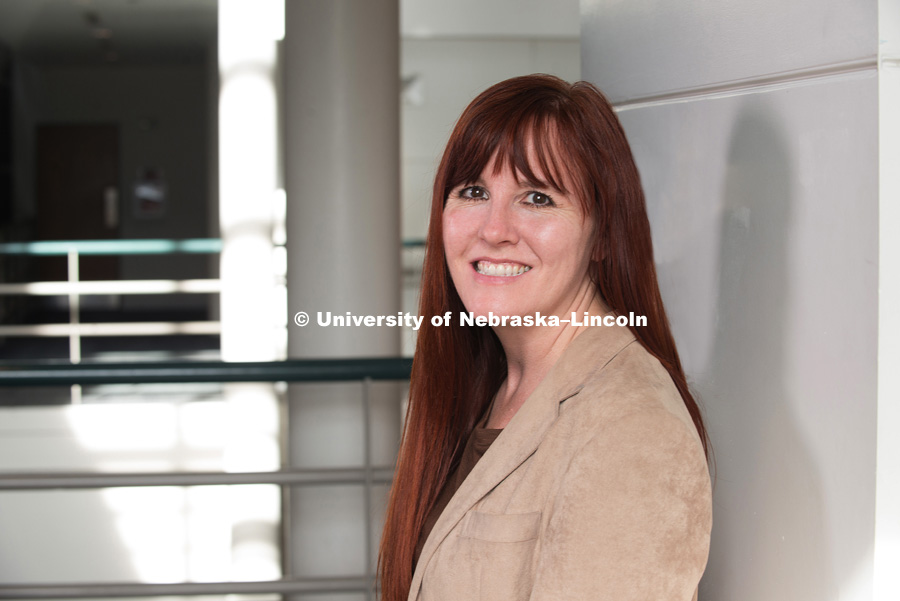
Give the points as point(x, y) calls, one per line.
point(476, 446)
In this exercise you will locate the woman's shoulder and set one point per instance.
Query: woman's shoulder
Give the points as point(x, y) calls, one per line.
point(630, 391)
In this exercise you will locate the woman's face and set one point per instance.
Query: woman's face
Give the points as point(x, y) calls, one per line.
point(516, 248)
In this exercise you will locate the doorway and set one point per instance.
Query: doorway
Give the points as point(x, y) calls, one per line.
point(77, 169)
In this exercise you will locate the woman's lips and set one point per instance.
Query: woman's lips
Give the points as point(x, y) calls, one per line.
point(500, 269)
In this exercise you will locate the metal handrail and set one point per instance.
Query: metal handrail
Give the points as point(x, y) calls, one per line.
point(292, 370)
point(312, 370)
point(87, 480)
point(130, 247)
point(113, 247)
point(346, 584)
point(114, 328)
point(58, 288)
point(73, 250)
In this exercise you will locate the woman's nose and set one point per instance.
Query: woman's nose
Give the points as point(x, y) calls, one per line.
point(498, 226)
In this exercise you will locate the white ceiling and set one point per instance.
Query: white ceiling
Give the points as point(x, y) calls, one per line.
point(139, 31)
point(73, 31)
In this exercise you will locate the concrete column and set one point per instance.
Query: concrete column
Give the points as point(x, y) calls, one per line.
point(341, 140)
point(248, 34)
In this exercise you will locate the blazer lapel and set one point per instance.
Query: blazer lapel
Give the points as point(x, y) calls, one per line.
point(589, 352)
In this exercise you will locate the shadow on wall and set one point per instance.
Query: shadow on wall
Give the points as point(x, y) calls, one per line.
point(769, 537)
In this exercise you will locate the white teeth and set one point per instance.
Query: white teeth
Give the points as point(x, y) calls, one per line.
point(500, 269)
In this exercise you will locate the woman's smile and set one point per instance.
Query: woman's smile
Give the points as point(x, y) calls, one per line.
point(503, 269)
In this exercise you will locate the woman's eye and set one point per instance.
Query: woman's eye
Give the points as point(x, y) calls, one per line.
point(539, 199)
point(473, 192)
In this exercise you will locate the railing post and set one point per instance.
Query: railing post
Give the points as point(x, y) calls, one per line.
point(74, 319)
point(367, 459)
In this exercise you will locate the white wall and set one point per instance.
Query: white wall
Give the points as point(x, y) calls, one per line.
point(489, 18)
point(756, 131)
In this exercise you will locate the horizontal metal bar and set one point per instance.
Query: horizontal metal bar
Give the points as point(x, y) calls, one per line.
point(292, 370)
point(124, 328)
point(113, 287)
point(113, 247)
point(73, 481)
point(129, 247)
point(347, 584)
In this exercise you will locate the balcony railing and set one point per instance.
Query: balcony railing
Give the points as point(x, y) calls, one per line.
point(366, 370)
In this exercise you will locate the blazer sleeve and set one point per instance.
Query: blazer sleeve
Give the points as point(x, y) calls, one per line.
point(632, 517)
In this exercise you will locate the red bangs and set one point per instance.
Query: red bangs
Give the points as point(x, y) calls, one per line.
point(528, 139)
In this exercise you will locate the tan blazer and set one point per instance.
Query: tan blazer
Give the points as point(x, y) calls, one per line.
point(596, 489)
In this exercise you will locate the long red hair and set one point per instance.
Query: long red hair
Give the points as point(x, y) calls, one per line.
point(456, 370)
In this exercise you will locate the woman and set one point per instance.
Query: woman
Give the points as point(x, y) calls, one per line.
point(558, 460)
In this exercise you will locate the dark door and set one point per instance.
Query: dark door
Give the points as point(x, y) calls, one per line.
point(77, 170)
